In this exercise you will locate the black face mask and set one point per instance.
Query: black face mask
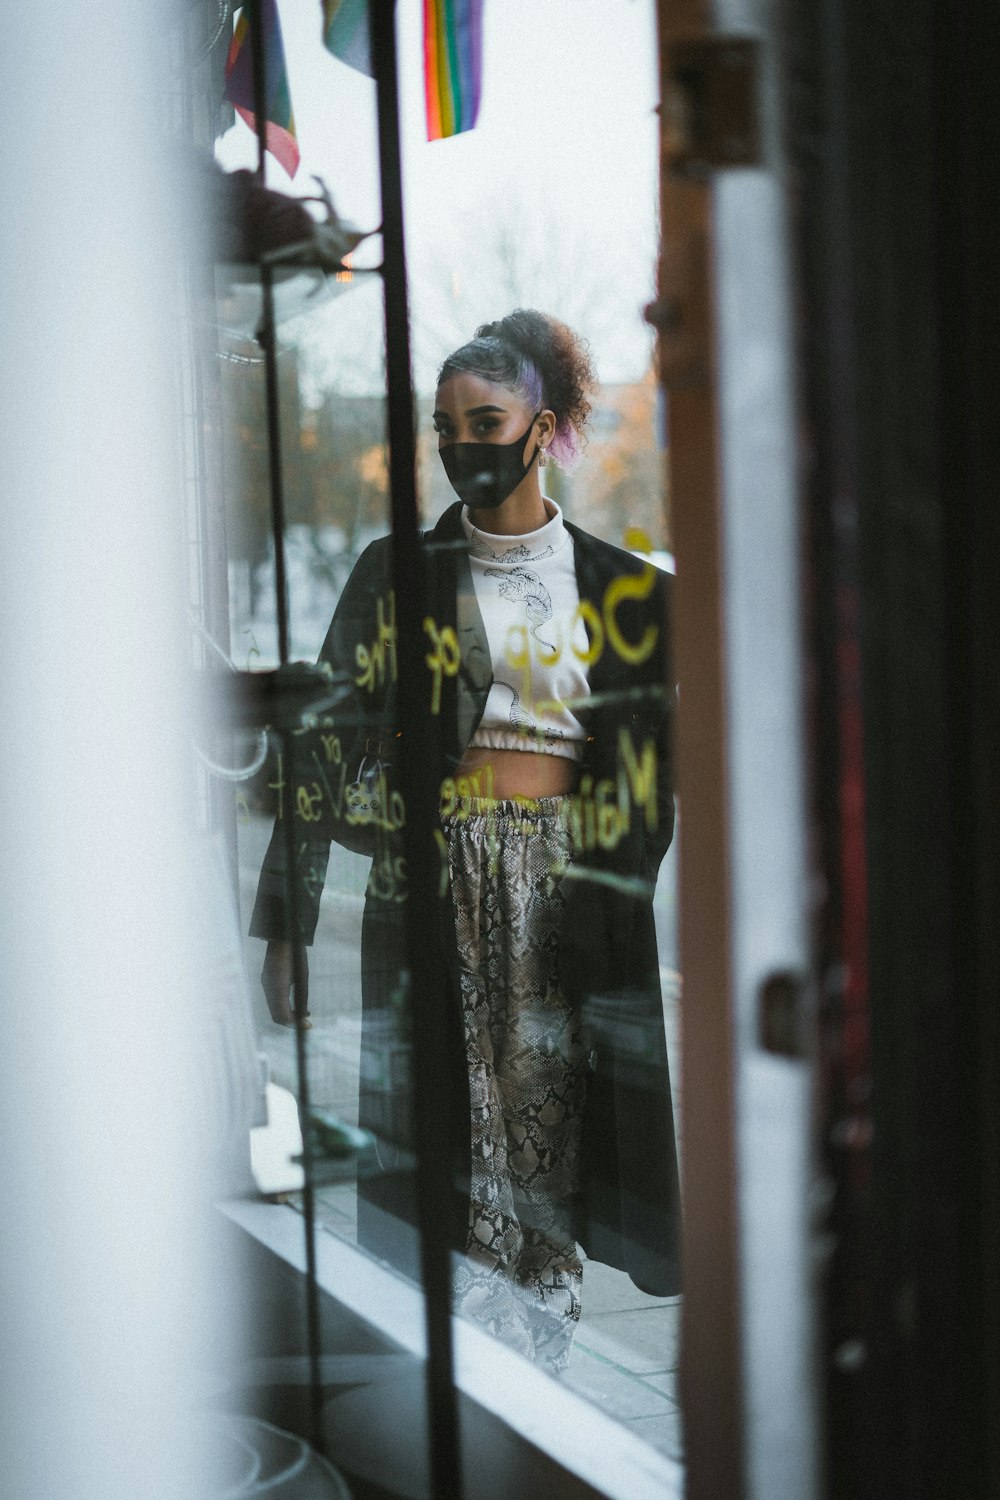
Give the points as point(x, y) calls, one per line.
point(484, 474)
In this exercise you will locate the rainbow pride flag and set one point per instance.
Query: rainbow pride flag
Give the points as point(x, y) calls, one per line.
point(279, 131)
point(453, 65)
point(345, 33)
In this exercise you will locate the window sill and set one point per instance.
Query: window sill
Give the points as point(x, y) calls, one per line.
point(569, 1430)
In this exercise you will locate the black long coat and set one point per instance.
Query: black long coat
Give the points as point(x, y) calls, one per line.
point(622, 823)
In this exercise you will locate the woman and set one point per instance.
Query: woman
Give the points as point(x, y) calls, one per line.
point(556, 809)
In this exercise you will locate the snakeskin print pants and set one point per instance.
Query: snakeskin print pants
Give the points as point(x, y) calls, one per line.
point(521, 1275)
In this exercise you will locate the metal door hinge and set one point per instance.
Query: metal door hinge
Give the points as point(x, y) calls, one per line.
point(781, 1001)
point(710, 107)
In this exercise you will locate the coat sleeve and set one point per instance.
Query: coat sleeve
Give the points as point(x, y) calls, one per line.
point(360, 649)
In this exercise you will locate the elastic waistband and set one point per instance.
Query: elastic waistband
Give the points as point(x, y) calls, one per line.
point(524, 810)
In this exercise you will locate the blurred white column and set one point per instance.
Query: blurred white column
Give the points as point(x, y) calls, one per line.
point(101, 1285)
point(767, 785)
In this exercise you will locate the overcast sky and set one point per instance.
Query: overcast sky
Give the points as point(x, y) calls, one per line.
point(559, 175)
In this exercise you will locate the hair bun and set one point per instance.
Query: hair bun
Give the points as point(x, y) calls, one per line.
point(525, 330)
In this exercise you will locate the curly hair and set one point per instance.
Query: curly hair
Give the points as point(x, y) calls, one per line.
point(540, 360)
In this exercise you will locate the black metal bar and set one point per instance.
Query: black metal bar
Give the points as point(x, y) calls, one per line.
point(313, 1329)
point(268, 342)
point(266, 338)
point(433, 1084)
point(259, 58)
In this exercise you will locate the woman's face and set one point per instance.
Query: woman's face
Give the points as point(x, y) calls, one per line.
point(470, 409)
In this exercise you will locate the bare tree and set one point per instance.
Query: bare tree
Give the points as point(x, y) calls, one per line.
point(520, 257)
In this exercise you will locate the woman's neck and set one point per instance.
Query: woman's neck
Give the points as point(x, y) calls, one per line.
point(523, 510)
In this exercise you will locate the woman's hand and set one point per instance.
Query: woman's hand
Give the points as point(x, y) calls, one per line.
point(277, 978)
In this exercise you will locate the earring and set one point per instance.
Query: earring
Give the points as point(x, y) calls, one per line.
point(542, 460)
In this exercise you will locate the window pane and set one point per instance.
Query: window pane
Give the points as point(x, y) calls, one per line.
point(568, 1251)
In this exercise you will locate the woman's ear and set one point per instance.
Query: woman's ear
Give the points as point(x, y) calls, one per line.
point(546, 427)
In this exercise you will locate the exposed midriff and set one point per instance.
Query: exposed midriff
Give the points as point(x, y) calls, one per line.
point(505, 774)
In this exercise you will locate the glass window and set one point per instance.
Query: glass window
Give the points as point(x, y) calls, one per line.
point(546, 695)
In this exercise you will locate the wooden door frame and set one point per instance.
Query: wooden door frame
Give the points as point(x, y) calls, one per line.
point(711, 1382)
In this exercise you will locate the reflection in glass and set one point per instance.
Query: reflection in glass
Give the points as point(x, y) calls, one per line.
point(547, 688)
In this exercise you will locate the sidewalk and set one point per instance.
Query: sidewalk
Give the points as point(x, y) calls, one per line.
point(625, 1356)
point(625, 1351)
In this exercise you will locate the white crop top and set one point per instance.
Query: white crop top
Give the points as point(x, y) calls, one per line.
point(528, 597)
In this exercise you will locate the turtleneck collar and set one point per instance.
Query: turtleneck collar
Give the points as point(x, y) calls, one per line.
point(515, 551)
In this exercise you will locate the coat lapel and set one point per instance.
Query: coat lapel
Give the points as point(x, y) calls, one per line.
point(593, 574)
point(454, 596)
